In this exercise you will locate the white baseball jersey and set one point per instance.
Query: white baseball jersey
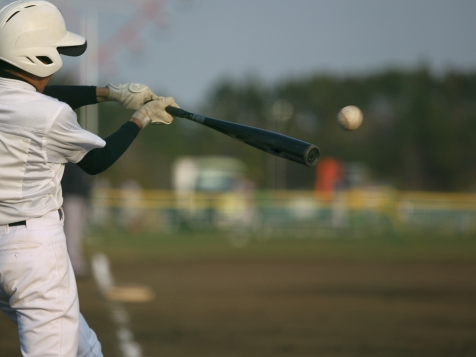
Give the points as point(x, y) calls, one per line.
point(38, 135)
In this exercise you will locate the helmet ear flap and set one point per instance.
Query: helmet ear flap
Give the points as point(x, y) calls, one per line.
point(45, 59)
point(46, 63)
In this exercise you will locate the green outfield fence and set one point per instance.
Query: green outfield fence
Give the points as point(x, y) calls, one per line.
point(269, 214)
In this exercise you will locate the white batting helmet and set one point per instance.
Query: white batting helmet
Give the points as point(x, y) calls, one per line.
point(33, 34)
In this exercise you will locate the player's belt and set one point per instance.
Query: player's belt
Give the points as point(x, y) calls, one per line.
point(23, 223)
point(19, 223)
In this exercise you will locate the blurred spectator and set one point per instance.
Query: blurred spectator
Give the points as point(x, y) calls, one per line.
point(101, 215)
point(131, 215)
point(76, 185)
point(331, 182)
point(330, 175)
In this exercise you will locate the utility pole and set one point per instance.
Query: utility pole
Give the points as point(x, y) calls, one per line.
point(281, 112)
point(89, 68)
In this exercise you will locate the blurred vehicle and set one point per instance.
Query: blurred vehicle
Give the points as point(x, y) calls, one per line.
point(212, 192)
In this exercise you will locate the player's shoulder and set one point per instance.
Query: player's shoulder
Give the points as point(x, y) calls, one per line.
point(52, 107)
point(23, 106)
point(16, 92)
point(48, 100)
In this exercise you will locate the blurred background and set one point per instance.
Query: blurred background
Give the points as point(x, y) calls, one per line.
point(203, 246)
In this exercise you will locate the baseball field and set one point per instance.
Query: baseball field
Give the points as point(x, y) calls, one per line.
point(374, 296)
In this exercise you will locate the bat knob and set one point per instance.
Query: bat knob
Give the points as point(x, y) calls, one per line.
point(312, 156)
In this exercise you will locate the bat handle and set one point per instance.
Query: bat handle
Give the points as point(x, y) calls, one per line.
point(177, 112)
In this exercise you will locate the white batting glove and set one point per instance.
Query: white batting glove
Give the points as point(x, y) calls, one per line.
point(154, 112)
point(130, 95)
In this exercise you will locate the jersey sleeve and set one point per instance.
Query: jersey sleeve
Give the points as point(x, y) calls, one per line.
point(66, 141)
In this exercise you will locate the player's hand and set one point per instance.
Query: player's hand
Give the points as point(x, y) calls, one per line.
point(130, 95)
point(154, 112)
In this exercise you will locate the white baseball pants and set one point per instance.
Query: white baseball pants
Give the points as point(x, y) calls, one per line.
point(38, 290)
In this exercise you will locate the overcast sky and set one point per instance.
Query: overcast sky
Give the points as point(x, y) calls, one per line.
point(275, 39)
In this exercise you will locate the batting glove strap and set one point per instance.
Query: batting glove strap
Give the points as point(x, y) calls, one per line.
point(154, 112)
point(130, 95)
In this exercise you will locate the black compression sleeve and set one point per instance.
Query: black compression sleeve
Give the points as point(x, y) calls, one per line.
point(74, 96)
point(98, 160)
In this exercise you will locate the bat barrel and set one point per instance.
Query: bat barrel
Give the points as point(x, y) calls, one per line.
point(293, 149)
point(268, 141)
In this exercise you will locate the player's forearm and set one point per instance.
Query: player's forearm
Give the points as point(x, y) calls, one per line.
point(98, 160)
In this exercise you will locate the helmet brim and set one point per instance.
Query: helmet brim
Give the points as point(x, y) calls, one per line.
point(73, 51)
point(72, 45)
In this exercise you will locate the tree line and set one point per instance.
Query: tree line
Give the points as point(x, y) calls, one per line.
point(418, 133)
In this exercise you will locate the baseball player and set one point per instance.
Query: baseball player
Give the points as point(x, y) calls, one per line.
point(38, 135)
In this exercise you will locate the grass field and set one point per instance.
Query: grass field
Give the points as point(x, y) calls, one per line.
point(378, 296)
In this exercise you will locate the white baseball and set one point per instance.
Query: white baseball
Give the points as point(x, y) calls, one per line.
point(350, 117)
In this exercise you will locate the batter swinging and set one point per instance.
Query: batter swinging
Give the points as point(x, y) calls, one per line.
point(38, 135)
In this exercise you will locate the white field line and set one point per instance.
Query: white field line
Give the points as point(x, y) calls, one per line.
point(119, 315)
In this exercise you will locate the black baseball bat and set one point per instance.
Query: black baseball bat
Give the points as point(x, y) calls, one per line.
point(268, 141)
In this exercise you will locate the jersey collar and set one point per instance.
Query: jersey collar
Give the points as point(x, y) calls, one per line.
point(14, 81)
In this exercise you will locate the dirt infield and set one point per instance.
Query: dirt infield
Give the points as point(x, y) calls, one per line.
point(289, 307)
point(305, 309)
